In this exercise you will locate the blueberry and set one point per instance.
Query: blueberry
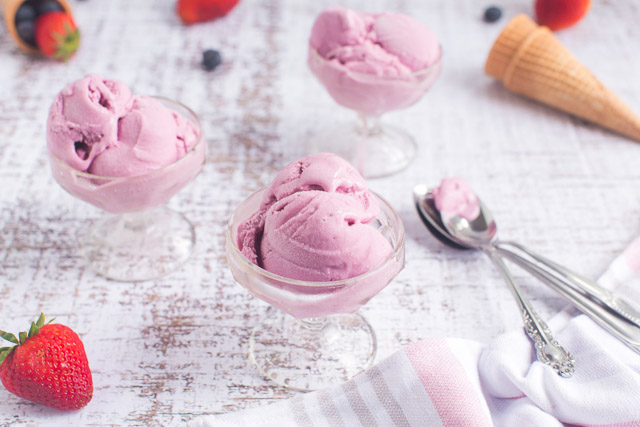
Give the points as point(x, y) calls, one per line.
point(211, 59)
point(46, 6)
point(26, 32)
point(26, 12)
point(492, 14)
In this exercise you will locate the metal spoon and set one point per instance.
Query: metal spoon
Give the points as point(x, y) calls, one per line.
point(611, 311)
point(481, 234)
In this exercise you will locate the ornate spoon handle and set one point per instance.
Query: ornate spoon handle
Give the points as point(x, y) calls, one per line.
point(548, 350)
point(620, 327)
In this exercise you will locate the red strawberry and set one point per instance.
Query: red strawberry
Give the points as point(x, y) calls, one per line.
point(47, 366)
point(191, 11)
point(57, 35)
point(559, 14)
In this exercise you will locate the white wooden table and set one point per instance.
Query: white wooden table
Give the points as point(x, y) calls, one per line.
point(164, 351)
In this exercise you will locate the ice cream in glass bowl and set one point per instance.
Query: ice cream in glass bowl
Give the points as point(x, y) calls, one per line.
point(127, 155)
point(316, 245)
point(372, 64)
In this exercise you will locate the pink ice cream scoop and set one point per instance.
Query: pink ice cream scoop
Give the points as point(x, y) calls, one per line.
point(373, 63)
point(455, 198)
point(118, 151)
point(96, 125)
point(315, 223)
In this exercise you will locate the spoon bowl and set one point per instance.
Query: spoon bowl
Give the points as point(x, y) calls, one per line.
point(476, 233)
point(430, 217)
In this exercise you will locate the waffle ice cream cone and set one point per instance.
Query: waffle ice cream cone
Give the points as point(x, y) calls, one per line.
point(530, 61)
point(9, 9)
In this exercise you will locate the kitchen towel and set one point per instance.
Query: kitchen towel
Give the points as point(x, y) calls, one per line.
point(455, 382)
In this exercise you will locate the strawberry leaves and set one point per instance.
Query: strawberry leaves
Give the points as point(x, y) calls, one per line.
point(4, 351)
point(9, 337)
point(67, 42)
point(22, 336)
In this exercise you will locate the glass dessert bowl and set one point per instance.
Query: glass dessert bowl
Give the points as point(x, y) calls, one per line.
point(142, 239)
point(311, 337)
point(374, 148)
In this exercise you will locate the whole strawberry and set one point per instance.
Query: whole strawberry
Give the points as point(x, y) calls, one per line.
point(47, 366)
point(192, 11)
point(56, 35)
point(559, 14)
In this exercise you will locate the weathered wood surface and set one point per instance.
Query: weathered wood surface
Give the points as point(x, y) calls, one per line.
point(167, 350)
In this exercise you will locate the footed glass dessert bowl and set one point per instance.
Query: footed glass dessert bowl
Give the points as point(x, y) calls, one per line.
point(141, 239)
point(376, 149)
point(312, 336)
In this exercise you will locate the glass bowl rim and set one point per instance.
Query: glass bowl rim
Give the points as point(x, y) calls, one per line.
point(417, 73)
point(181, 160)
point(257, 270)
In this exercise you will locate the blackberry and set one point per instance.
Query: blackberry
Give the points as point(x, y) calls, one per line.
point(47, 6)
point(26, 12)
point(26, 32)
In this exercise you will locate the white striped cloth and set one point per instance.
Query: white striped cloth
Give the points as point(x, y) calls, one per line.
point(454, 382)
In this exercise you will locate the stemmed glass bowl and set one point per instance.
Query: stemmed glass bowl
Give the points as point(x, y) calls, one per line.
point(141, 240)
point(311, 337)
point(374, 148)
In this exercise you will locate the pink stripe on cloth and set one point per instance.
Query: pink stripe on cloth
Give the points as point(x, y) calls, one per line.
point(445, 381)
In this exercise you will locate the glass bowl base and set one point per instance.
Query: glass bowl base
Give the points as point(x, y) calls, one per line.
point(311, 354)
point(139, 246)
point(375, 149)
